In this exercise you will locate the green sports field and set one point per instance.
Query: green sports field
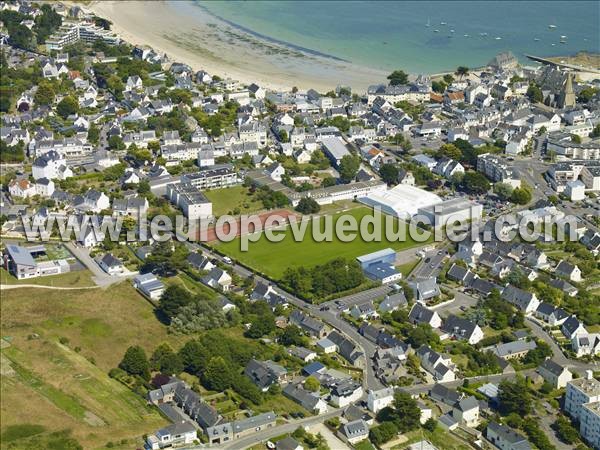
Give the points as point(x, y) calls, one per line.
point(272, 258)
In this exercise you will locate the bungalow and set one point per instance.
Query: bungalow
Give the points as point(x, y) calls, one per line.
point(308, 400)
point(177, 434)
point(425, 289)
point(421, 314)
point(506, 438)
point(460, 274)
point(443, 394)
point(354, 432)
point(364, 311)
point(564, 286)
point(462, 329)
point(22, 188)
point(554, 373)
point(586, 344)
point(567, 270)
point(573, 327)
point(149, 286)
point(392, 302)
point(311, 326)
point(265, 373)
point(111, 265)
point(438, 366)
point(200, 262)
point(217, 278)
point(302, 353)
point(512, 350)
point(525, 301)
point(326, 345)
point(377, 400)
point(345, 392)
point(466, 411)
point(345, 347)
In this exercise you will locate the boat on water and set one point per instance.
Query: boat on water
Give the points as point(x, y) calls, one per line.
point(553, 44)
point(552, 27)
point(563, 37)
point(498, 38)
point(443, 23)
point(428, 24)
point(466, 35)
point(436, 31)
point(536, 39)
point(451, 31)
point(483, 34)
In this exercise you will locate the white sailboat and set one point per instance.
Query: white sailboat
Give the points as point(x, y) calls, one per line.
point(552, 27)
point(428, 24)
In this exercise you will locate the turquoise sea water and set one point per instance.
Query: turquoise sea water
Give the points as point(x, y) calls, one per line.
point(388, 35)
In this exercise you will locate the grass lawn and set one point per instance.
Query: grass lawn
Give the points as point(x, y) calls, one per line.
point(439, 438)
point(79, 278)
point(227, 199)
point(272, 258)
point(48, 387)
point(60, 389)
point(406, 269)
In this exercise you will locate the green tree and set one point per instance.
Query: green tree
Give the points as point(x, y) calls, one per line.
point(94, 134)
point(115, 142)
point(172, 300)
point(430, 425)
point(576, 138)
point(406, 413)
point(292, 335)
point(22, 37)
point(44, 94)
point(475, 183)
point(450, 151)
point(514, 397)
point(218, 375)
point(438, 86)
point(165, 360)
point(261, 326)
point(596, 131)
point(308, 205)
point(328, 181)
point(565, 431)
point(503, 190)
point(461, 71)
point(534, 93)
point(349, 166)
point(283, 136)
point(312, 384)
point(586, 94)
point(520, 196)
point(389, 173)
point(194, 356)
point(398, 77)
point(67, 106)
point(383, 433)
point(134, 362)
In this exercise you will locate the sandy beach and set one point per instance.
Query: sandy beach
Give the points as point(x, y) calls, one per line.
point(187, 33)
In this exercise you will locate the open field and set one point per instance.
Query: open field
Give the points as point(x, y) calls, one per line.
point(103, 323)
point(272, 258)
point(226, 200)
point(55, 388)
point(65, 386)
point(79, 278)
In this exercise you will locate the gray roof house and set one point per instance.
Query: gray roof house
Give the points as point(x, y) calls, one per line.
point(506, 438)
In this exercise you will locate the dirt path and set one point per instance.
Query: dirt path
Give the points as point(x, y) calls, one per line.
point(58, 288)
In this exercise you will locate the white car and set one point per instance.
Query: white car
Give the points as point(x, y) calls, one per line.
point(227, 260)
